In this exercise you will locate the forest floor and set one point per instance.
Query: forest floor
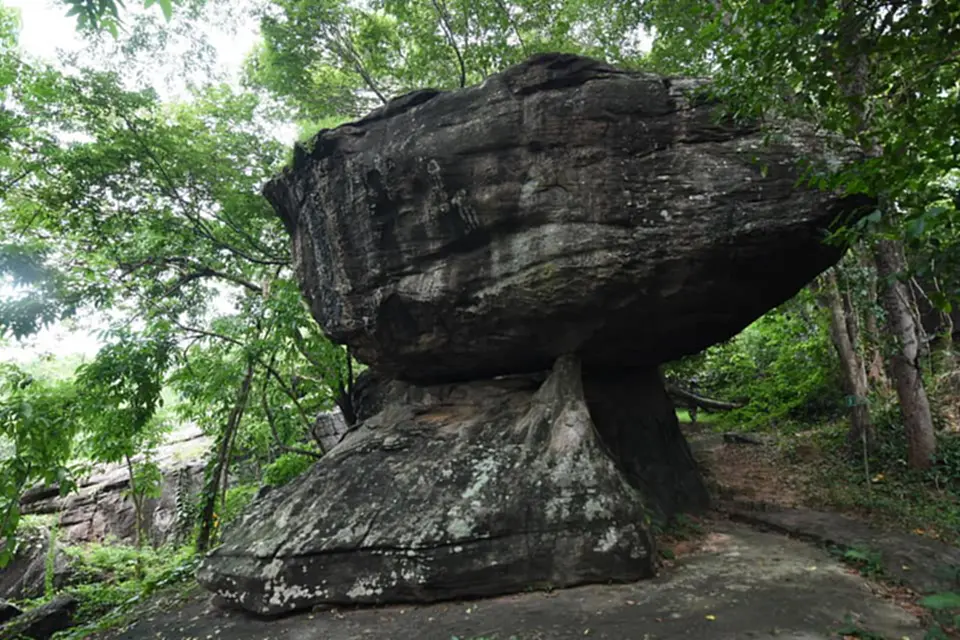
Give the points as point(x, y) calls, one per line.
point(766, 563)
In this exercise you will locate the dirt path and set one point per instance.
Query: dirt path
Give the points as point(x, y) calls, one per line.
point(740, 583)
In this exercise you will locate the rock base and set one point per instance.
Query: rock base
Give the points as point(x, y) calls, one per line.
point(452, 491)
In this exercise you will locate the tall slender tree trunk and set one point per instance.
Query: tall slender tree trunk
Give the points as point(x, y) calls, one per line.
point(875, 365)
point(901, 311)
point(844, 334)
point(205, 537)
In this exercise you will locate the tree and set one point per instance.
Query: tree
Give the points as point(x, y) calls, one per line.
point(335, 59)
point(38, 422)
point(119, 203)
point(119, 396)
point(880, 73)
point(844, 332)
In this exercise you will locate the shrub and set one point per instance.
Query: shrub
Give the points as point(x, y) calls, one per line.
point(285, 468)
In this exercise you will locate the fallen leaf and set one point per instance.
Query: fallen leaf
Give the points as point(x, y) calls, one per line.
point(711, 617)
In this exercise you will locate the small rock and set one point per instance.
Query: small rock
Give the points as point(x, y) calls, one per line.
point(44, 621)
point(8, 611)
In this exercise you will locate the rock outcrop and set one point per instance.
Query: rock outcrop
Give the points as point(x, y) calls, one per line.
point(561, 206)
point(452, 491)
point(24, 577)
point(513, 261)
point(43, 622)
point(101, 508)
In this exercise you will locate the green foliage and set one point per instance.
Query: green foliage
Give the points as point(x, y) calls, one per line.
point(921, 501)
point(867, 561)
point(877, 73)
point(236, 500)
point(105, 14)
point(111, 578)
point(285, 468)
point(783, 363)
point(38, 420)
point(945, 607)
point(50, 561)
point(889, 457)
point(946, 600)
point(328, 58)
point(121, 392)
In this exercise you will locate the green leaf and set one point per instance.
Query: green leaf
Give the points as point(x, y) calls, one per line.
point(940, 601)
point(167, 7)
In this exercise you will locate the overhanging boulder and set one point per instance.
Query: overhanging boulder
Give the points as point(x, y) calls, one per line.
point(561, 206)
point(462, 490)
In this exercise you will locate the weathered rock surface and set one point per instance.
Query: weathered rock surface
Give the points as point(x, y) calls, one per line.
point(329, 428)
point(24, 577)
point(922, 564)
point(44, 621)
point(454, 491)
point(561, 206)
point(101, 508)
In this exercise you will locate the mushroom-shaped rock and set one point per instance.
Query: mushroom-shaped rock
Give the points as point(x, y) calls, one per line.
point(562, 206)
point(460, 490)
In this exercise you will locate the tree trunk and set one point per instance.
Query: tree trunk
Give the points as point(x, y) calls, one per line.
point(205, 537)
point(876, 368)
point(844, 335)
point(901, 314)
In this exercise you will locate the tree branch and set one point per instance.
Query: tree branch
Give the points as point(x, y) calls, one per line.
point(445, 23)
point(269, 368)
point(276, 436)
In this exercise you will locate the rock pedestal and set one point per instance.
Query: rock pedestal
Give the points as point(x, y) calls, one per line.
point(460, 490)
point(513, 261)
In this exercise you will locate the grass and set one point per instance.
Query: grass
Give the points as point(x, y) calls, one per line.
point(111, 580)
point(884, 492)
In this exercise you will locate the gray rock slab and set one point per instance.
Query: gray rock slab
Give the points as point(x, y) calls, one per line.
point(755, 585)
point(922, 564)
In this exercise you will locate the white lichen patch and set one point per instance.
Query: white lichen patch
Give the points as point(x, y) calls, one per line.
point(611, 538)
point(594, 509)
point(272, 569)
point(365, 588)
point(483, 471)
point(280, 594)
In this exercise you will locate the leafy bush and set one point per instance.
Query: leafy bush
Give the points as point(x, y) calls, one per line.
point(236, 501)
point(784, 364)
point(285, 468)
point(106, 583)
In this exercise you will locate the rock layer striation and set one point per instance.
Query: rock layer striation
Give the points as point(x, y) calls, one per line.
point(561, 206)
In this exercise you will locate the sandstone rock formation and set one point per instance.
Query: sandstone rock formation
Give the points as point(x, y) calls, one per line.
point(455, 490)
point(24, 577)
point(101, 508)
point(514, 261)
point(561, 206)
